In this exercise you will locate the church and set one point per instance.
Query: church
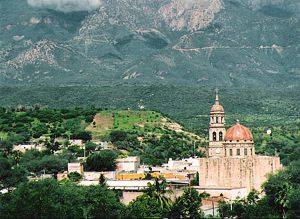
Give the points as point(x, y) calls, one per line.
point(231, 167)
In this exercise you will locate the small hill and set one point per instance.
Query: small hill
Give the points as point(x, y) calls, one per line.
point(148, 134)
point(141, 122)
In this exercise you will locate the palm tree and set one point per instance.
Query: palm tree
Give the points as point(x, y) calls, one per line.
point(157, 191)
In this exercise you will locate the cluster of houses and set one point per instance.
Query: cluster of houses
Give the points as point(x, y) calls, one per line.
point(131, 177)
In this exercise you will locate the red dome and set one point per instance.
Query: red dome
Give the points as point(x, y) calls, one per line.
point(238, 132)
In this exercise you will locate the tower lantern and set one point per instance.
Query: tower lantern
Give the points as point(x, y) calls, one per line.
point(217, 129)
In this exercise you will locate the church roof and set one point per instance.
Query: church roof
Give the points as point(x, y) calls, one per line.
point(238, 132)
point(217, 107)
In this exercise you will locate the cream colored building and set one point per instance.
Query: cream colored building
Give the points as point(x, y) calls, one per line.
point(26, 147)
point(232, 167)
point(128, 164)
point(187, 164)
point(75, 167)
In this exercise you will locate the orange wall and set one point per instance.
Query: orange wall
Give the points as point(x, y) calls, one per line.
point(136, 176)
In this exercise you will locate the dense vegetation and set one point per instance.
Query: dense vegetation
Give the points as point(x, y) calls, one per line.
point(188, 105)
point(284, 141)
point(134, 132)
point(50, 199)
point(22, 125)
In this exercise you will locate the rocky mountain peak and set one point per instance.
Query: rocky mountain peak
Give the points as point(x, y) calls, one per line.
point(190, 14)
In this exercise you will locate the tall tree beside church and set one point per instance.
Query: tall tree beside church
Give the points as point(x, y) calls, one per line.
point(188, 205)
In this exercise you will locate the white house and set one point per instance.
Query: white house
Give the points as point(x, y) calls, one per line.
point(128, 164)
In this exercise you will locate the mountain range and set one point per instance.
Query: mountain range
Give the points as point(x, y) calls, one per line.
point(211, 43)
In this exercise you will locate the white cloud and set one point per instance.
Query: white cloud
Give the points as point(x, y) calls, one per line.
point(66, 5)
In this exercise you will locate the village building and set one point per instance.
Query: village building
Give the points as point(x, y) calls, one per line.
point(26, 147)
point(232, 168)
point(128, 164)
point(75, 167)
point(187, 164)
point(77, 142)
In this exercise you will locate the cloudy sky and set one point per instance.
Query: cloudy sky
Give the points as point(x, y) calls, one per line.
point(66, 5)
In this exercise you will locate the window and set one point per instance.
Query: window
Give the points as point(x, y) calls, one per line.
point(230, 152)
point(245, 151)
point(238, 152)
point(220, 136)
point(251, 152)
point(217, 119)
point(214, 136)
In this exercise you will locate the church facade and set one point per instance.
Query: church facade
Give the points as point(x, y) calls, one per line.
point(232, 168)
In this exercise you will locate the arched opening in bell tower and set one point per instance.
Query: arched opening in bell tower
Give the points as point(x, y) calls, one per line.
point(220, 136)
point(214, 136)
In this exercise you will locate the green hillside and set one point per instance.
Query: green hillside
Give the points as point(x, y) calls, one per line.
point(145, 133)
point(140, 121)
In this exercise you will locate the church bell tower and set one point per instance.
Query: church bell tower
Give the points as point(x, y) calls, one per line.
point(217, 129)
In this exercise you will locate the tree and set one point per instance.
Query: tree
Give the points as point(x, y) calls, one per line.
point(188, 205)
point(49, 199)
point(52, 145)
point(5, 171)
point(83, 135)
point(35, 161)
point(102, 203)
point(277, 189)
point(145, 207)
point(104, 160)
point(253, 197)
point(102, 180)
point(294, 201)
point(16, 176)
point(90, 147)
point(195, 180)
point(35, 200)
point(158, 192)
point(6, 147)
point(74, 176)
point(118, 136)
point(148, 176)
point(39, 129)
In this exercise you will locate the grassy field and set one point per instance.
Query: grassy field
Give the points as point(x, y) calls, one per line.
point(128, 120)
point(124, 120)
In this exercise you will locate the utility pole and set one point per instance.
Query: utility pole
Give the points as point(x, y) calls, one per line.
point(213, 205)
point(194, 148)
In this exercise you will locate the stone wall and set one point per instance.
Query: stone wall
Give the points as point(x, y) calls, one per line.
point(232, 172)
